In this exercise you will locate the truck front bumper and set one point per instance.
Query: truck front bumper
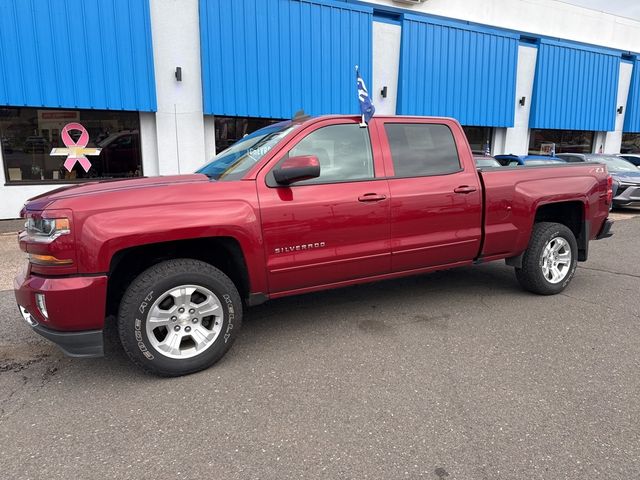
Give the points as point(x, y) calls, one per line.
point(69, 311)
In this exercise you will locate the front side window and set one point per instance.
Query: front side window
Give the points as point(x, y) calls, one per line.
point(420, 149)
point(344, 153)
point(28, 136)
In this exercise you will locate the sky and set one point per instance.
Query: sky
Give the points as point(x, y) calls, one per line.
point(624, 8)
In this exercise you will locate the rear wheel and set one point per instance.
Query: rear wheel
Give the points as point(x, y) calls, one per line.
point(549, 263)
point(179, 317)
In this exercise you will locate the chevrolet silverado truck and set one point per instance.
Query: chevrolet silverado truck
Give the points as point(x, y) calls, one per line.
point(299, 206)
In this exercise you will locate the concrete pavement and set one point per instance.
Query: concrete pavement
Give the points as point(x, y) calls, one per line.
point(453, 375)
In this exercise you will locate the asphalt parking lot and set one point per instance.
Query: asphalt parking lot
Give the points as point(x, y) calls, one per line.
point(453, 375)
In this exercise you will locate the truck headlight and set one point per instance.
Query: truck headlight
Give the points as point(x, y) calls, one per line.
point(46, 230)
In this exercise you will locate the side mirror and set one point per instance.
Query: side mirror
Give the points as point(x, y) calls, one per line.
point(296, 169)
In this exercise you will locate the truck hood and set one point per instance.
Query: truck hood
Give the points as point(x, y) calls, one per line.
point(109, 186)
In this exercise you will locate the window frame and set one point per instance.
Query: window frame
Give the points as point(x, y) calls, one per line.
point(283, 153)
point(455, 135)
point(563, 134)
point(70, 181)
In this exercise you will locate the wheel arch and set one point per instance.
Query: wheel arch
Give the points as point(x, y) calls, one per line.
point(224, 253)
point(572, 214)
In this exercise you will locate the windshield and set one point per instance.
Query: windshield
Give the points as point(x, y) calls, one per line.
point(615, 164)
point(235, 161)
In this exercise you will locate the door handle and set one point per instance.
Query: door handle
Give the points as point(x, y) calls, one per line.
point(371, 197)
point(464, 189)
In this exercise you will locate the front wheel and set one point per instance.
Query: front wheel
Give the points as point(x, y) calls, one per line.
point(549, 263)
point(178, 317)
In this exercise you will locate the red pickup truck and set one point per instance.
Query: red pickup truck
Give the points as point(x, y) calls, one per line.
point(299, 206)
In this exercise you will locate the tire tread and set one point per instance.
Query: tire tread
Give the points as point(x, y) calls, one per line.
point(146, 280)
point(529, 275)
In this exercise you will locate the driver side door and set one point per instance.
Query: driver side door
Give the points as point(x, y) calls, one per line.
point(331, 229)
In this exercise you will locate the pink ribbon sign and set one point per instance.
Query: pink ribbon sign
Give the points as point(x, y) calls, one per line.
point(77, 150)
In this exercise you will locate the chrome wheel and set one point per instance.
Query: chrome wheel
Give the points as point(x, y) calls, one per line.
point(556, 260)
point(184, 321)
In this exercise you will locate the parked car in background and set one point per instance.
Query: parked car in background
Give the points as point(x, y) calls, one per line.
point(119, 153)
point(512, 160)
point(631, 157)
point(485, 161)
point(626, 176)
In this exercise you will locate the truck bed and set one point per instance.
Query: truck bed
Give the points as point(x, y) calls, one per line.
point(511, 196)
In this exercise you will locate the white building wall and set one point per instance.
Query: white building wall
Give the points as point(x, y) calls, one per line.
point(516, 139)
point(209, 137)
point(552, 18)
point(598, 142)
point(175, 29)
point(613, 140)
point(149, 144)
point(386, 66)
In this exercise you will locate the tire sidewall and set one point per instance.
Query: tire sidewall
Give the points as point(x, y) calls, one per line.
point(133, 329)
point(559, 232)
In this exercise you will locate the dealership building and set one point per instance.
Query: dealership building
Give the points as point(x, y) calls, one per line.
point(160, 86)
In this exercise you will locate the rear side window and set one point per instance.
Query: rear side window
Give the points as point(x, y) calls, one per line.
point(420, 150)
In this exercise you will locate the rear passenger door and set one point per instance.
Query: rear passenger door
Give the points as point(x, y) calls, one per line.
point(436, 198)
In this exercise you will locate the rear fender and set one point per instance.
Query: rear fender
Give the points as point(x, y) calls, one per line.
point(510, 219)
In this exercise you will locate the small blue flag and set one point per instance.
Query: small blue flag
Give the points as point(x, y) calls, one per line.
point(366, 107)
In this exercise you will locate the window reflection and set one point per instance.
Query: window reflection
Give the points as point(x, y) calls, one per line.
point(479, 138)
point(566, 141)
point(231, 129)
point(27, 136)
point(630, 143)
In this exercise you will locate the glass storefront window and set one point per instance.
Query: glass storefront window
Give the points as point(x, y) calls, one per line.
point(566, 141)
point(630, 143)
point(231, 129)
point(479, 138)
point(27, 136)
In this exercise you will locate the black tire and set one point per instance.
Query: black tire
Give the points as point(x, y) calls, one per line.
point(531, 275)
point(154, 282)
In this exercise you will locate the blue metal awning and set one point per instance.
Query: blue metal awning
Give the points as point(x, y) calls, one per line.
point(77, 54)
point(575, 87)
point(632, 115)
point(453, 69)
point(271, 58)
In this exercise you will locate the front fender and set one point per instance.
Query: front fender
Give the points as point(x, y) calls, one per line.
point(105, 233)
